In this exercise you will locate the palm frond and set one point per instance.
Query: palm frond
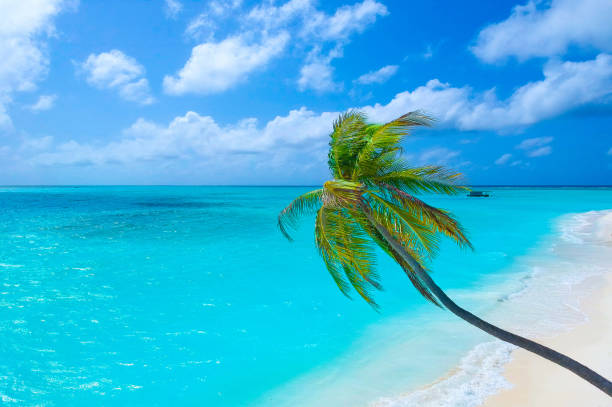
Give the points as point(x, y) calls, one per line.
point(346, 138)
point(303, 204)
point(386, 138)
point(342, 193)
point(410, 231)
point(434, 179)
point(328, 253)
point(408, 270)
point(370, 201)
point(349, 248)
point(442, 221)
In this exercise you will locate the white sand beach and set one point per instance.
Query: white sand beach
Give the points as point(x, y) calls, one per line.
point(538, 382)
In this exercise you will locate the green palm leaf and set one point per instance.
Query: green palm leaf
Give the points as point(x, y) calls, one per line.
point(373, 187)
point(303, 204)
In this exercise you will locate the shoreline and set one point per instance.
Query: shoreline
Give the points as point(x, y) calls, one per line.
point(539, 382)
point(563, 304)
point(535, 381)
point(542, 293)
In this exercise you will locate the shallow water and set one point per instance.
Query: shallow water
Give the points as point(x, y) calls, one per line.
point(190, 295)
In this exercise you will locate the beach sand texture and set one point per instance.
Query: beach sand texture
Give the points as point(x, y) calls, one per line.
point(538, 382)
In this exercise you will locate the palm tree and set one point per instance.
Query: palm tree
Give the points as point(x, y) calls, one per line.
point(371, 201)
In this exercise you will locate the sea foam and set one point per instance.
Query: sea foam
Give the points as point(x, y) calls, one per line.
point(572, 258)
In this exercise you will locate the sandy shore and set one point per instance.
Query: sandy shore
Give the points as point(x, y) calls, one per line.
point(538, 382)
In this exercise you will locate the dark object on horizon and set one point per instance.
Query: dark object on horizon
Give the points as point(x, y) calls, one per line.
point(480, 194)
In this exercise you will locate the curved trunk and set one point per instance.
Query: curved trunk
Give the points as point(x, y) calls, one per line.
point(579, 369)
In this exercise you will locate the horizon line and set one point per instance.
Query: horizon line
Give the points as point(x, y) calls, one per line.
point(286, 185)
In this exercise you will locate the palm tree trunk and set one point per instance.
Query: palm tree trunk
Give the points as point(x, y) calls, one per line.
point(579, 369)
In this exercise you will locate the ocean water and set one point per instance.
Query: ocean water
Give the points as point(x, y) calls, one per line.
point(146, 296)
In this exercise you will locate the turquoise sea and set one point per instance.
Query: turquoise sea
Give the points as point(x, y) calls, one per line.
point(150, 296)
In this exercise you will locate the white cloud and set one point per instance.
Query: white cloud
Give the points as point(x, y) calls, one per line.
point(534, 142)
point(201, 137)
point(137, 91)
point(540, 152)
point(44, 102)
point(345, 21)
point(37, 144)
point(205, 24)
point(263, 33)
point(296, 142)
point(503, 159)
point(318, 74)
point(314, 24)
point(173, 8)
point(270, 16)
point(217, 66)
point(5, 119)
point(111, 69)
point(435, 156)
point(220, 7)
point(201, 28)
point(533, 31)
point(379, 76)
point(565, 86)
point(23, 52)
point(299, 139)
point(115, 70)
point(537, 146)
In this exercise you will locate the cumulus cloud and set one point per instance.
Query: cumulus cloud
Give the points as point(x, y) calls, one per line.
point(346, 21)
point(565, 86)
point(5, 119)
point(534, 142)
point(314, 24)
point(540, 152)
point(537, 146)
point(318, 26)
point(318, 74)
point(299, 139)
point(217, 66)
point(115, 70)
point(271, 16)
point(36, 144)
point(44, 102)
point(201, 136)
point(296, 142)
point(172, 8)
point(435, 156)
point(381, 75)
point(503, 159)
point(544, 29)
point(23, 53)
point(264, 32)
point(204, 25)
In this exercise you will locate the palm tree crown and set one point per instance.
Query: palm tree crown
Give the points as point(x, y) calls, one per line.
point(371, 201)
point(372, 192)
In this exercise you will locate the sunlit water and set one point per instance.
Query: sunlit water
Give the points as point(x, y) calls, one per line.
point(190, 295)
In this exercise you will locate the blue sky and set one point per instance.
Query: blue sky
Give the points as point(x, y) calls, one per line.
point(244, 92)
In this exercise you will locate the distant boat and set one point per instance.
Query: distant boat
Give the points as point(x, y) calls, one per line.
point(479, 194)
